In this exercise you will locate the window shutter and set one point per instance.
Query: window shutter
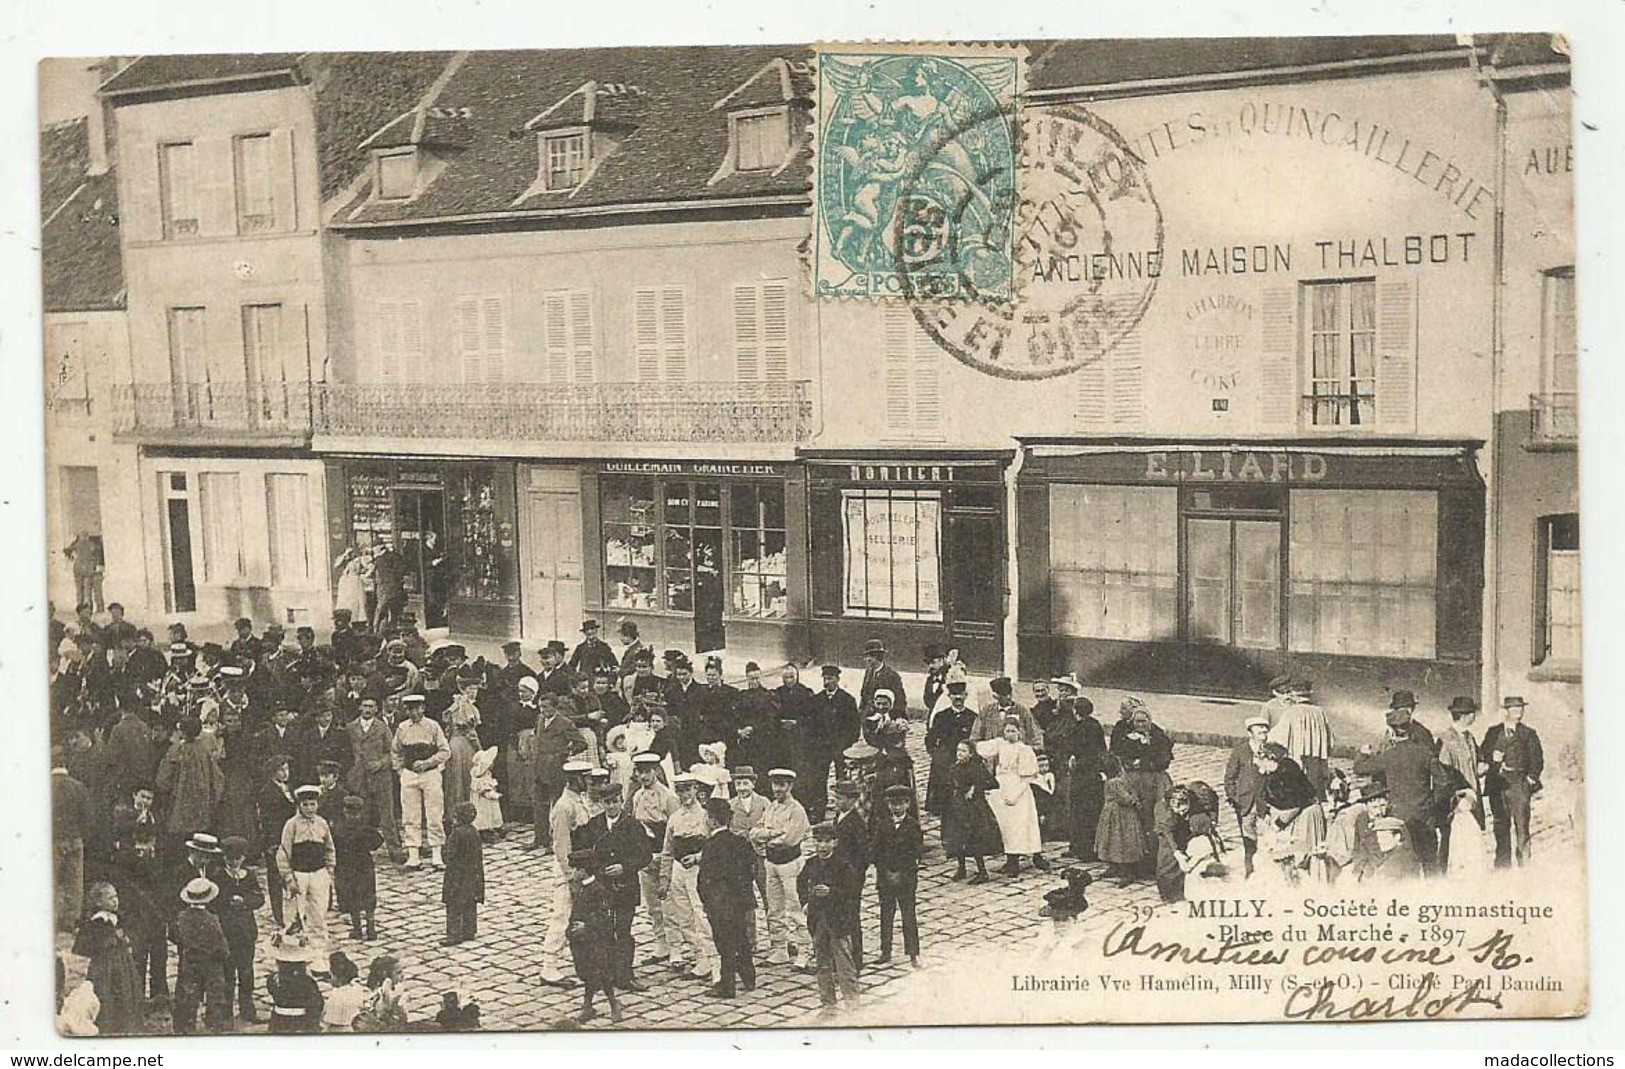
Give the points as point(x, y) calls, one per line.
point(1396, 355)
point(495, 336)
point(1127, 381)
point(747, 335)
point(556, 334)
point(468, 338)
point(776, 331)
point(214, 186)
point(411, 345)
point(1092, 393)
point(674, 333)
point(927, 384)
point(899, 402)
point(140, 204)
point(1277, 378)
point(284, 185)
point(646, 333)
point(387, 324)
point(581, 346)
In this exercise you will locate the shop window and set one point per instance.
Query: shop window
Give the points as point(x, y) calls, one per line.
point(630, 526)
point(1557, 590)
point(761, 584)
point(1114, 561)
point(287, 513)
point(482, 542)
point(893, 541)
point(372, 515)
point(1363, 567)
point(222, 507)
point(1342, 346)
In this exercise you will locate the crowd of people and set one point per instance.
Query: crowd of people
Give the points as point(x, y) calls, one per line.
point(197, 785)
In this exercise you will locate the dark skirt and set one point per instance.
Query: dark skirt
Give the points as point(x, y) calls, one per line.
point(969, 828)
point(1119, 838)
point(936, 781)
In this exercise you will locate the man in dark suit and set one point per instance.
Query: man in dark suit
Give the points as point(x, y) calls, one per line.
point(831, 725)
point(727, 887)
point(1242, 782)
point(896, 847)
point(554, 676)
point(622, 849)
point(878, 675)
point(1410, 767)
point(1516, 762)
point(712, 707)
point(320, 739)
point(593, 653)
point(679, 692)
point(556, 740)
point(852, 850)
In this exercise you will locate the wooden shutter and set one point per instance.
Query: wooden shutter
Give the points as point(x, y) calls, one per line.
point(1396, 355)
point(140, 202)
point(927, 384)
point(411, 359)
point(556, 336)
point(1278, 357)
point(1092, 393)
point(899, 373)
point(494, 334)
point(1127, 371)
point(674, 333)
point(776, 331)
point(387, 324)
point(583, 357)
point(468, 339)
point(747, 333)
point(646, 334)
point(284, 181)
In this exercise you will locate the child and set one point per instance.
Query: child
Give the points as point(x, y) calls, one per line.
point(896, 848)
point(1119, 838)
point(1201, 854)
point(296, 1001)
point(331, 807)
point(482, 785)
point(203, 957)
point(355, 880)
point(347, 996)
point(1015, 765)
point(1466, 837)
point(660, 742)
point(618, 758)
point(456, 1015)
point(592, 936)
point(1065, 904)
point(240, 896)
point(111, 968)
point(463, 887)
point(711, 770)
point(827, 887)
point(306, 858)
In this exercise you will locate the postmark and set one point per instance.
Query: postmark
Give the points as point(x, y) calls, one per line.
point(1087, 255)
point(915, 173)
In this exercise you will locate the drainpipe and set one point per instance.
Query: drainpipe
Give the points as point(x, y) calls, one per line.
point(1012, 570)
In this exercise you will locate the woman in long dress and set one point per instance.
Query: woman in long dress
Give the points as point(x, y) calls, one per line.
point(949, 726)
point(1297, 820)
point(1015, 766)
point(350, 592)
point(968, 827)
point(462, 736)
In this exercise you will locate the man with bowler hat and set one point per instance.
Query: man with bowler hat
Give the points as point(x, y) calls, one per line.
point(832, 724)
point(878, 675)
point(1515, 762)
point(1458, 752)
point(727, 888)
point(593, 653)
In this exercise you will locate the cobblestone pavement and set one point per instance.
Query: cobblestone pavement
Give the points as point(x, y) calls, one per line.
point(499, 969)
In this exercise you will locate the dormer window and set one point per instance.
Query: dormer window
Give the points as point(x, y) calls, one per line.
point(759, 138)
point(564, 158)
point(397, 175)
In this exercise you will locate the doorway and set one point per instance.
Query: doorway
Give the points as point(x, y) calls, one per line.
point(553, 556)
point(709, 596)
point(1232, 603)
point(420, 530)
point(180, 583)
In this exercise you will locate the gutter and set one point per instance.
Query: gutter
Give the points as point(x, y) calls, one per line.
point(798, 200)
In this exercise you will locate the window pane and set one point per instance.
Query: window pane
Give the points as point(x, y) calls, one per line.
point(679, 570)
point(397, 176)
point(222, 508)
point(893, 541)
point(707, 505)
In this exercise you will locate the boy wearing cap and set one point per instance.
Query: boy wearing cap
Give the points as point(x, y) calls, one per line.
point(355, 879)
point(463, 887)
point(827, 890)
point(306, 855)
point(852, 849)
point(896, 847)
point(591, 934)
point(240, 896)
point(622, 850)
point(1514, 762)
point(203, 957)
point(833, 723)
point(727, 886)
point(568, 814)
point(417, 753)
point(653, 803)
point(777, 838)
point(686, 833)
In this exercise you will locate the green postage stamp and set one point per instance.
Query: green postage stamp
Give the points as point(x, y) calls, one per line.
point(915, 177)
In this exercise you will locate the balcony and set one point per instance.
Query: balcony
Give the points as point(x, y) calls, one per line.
point(1554, 420)
point(757, 413)
point(202, 413)
point(1342, 411)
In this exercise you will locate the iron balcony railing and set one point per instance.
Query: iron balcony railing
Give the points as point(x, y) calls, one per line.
point(1554, 417)
point(212, 411)
point(1340, 409)
point(777, 412)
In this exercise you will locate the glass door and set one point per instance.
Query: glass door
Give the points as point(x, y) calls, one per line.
point(1232, 603)
point(1256, 568)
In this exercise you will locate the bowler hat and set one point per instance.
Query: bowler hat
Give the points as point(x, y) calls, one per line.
point(874, 647)
point(744, 772)
point(1402, 699)
point(1461, 705)
point(933, 651)
point(511, 646)
point(589, 625)
point(1002, 686)
point(1513, 701)
point(234, 846)
point(847, 789)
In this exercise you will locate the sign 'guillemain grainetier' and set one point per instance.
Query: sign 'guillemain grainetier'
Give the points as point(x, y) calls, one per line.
point(848, 534)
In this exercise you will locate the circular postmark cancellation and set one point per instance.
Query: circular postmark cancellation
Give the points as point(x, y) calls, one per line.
point(1088, 248)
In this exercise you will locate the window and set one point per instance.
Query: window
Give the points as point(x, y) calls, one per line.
point(1557, 590)
point(630, 529)
point(1363, 569)
point(660, 333)
point(1113, 561)
point(1557, 406)
point(397, 175)
point(177, 189)
point(222, 505)
point(251, 157)
point(287, 513)
point(1342, 353)
point(756, 550)
point(481, 542)
point(482, 338)
point(398, 341)
point(564, 160)
point(568, 336)
point(762, 331)
point(893, 542)
point(760, 140)
point(913, 379)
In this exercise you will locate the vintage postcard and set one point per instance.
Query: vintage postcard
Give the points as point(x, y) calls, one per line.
point(814, 535)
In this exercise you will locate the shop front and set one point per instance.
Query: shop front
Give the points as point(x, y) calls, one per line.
point(702, 555)
point(1209, 568)
point(453, 524)
point(909, 549)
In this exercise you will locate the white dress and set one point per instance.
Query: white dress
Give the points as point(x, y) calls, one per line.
point(1467, 854)
point(351, 594)
point(1015, 766)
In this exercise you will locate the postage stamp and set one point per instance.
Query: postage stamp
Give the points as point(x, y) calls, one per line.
point(915, 172)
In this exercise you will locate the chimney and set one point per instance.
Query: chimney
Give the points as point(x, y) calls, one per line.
point(100, 122)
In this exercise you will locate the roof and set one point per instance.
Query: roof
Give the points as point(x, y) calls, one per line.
point(666, 109)
point(80, 262)
point(153, 73)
